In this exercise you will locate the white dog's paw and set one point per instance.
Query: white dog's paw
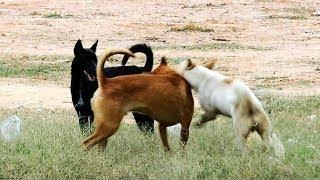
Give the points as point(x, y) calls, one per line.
point(198, 124)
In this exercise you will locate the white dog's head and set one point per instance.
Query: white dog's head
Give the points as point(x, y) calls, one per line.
point(188, 65)
point(194, 73)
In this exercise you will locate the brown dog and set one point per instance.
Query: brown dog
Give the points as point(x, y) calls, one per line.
point(163, 95)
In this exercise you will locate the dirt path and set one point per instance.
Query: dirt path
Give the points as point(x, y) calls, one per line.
point(14, 93)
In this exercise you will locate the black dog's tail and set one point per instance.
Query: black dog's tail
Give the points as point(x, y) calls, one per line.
point(145, 49)
point(100, 66)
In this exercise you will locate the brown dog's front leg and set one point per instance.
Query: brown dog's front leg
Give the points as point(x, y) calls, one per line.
point(164, 137)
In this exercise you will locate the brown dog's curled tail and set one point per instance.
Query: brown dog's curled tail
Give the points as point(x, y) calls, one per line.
point(100, 66)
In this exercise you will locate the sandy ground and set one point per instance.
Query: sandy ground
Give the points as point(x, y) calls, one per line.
point(286, 30)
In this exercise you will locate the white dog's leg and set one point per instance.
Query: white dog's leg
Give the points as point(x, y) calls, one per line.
point(207, 116)
point(241, 126)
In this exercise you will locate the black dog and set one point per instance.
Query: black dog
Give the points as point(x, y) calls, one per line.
point(84, 83)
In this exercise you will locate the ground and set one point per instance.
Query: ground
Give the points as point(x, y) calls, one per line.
point(272, 45)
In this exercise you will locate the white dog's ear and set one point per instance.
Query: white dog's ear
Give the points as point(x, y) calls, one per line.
point(210, 64)
point(190, 64)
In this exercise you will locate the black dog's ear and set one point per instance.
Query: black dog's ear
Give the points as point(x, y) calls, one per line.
point(94, 46)
point(78, 47)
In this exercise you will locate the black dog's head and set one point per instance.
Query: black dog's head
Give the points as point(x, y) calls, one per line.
point(86, 59)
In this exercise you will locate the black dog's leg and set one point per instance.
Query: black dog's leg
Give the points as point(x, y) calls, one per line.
point(145, 123)
point(85, 115)
point(86, 123)
point(83, 123)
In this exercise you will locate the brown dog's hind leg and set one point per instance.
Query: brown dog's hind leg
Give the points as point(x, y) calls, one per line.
point(102, 145)
point(94, 140)
point(104, 129)
point(164, 137)
point(184, 135)
point(185, 125)
point(86, 141)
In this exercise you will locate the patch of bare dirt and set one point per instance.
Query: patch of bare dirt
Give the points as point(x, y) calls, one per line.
point(286, 31)
point(15, 93)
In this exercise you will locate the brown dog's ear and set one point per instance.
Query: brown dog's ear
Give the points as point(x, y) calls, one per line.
point(190, 64)
point(210, 64)
point(164, 61)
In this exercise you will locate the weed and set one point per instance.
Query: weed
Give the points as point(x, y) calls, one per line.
point(291, 17)
point(215, 46)
point(53, 15)
point(191, 26)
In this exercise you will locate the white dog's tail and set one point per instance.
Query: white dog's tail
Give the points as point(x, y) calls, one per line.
point(277, 145)
point(100, 66)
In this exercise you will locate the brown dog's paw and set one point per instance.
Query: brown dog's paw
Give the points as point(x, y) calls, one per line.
point(84, 146)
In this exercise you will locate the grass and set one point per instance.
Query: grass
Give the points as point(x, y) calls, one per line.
point(45, 67)
point(52, 68)
point(204, 5)
point(291, 17)
point(53, 15)
point(49, 148)
point(280, 81)
point(215, 46)
point(299, 10)
point(34, 13)
point(192, 26)
point(56, 68)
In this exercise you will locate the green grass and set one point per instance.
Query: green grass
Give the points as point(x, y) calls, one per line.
point(192, 26)
point(299, 10)
point(49, 148)
point(45, 67)
point(53, 15)
point(214, 46)
point(291, 17)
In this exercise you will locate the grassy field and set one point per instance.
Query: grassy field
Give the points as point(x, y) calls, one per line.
point(49, 147)
point(45, 67)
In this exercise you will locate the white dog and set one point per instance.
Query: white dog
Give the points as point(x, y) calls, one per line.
point(219, 94)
